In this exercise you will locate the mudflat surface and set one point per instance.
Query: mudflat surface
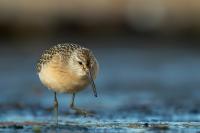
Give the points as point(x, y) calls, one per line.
point(138, 118)
point(140, 90)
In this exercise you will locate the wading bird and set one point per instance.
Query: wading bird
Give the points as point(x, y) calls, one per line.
point(67, 68)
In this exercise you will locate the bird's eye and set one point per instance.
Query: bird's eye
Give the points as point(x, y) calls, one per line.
point(80, 63)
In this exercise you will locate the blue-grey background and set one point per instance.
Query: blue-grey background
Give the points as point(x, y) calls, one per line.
point(128, 75)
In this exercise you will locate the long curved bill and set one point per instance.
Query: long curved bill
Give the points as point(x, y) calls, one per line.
point(92, 83)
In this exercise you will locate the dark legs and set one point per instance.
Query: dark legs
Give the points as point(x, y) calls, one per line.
point(79, 111)
point(55, 108)
point(72, 102)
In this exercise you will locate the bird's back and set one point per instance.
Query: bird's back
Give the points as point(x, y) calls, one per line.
point(63, 49)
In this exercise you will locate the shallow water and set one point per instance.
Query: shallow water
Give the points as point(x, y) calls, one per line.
point(140, 90)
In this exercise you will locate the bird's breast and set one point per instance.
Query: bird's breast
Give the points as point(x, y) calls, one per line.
point(61, 78)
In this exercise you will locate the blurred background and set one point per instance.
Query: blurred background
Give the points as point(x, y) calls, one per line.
point(148, 52)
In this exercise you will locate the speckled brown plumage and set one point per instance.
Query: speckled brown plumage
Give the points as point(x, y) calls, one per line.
point(63, 49)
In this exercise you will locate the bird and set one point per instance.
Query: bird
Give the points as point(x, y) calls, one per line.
point(68, 68)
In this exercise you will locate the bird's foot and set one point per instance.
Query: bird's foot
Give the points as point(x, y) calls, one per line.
point(83, 112)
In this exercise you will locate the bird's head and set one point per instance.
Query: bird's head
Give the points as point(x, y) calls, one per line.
point(84, 64)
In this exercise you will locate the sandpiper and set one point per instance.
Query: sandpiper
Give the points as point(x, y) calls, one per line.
point(68, 68)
